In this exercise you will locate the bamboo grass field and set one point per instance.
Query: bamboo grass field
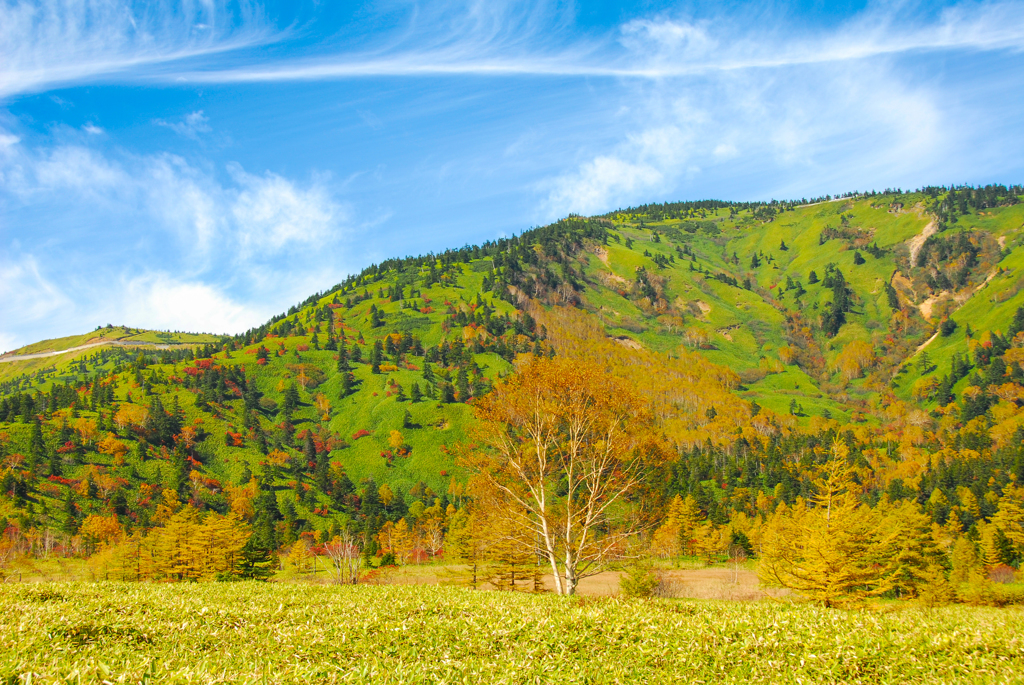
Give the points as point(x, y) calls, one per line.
point(275, 633)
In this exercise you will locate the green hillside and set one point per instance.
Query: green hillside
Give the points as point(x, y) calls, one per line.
point(829, 314)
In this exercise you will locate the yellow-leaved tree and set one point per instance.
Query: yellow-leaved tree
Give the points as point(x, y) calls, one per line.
point(907, 555)
point(564, 443)
point(1010, 516)
point(824, 549)
point(679, 531)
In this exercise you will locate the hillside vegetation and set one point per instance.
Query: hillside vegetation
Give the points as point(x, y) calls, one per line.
point(763, 335)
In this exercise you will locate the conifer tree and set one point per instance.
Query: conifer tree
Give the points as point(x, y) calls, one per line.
point(823, 549)
point(347, 384)
point(256, 561)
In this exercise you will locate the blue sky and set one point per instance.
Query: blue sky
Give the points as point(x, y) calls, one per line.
point(203, 166)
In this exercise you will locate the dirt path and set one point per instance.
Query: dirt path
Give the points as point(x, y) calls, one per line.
point(917, 242)
point(931, 301)
point(716, 582)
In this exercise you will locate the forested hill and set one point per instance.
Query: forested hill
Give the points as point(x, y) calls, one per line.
point(759, 330)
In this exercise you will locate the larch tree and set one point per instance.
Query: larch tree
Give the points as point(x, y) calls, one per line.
point(823, 549)
point(1009, 518)
point(566, 444)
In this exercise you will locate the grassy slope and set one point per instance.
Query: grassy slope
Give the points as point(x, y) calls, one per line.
point(95, 339)
point(754, 322)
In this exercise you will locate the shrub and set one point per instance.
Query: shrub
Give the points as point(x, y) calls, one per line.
point(639, 581)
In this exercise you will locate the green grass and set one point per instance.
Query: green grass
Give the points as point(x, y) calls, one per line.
point(260, 633)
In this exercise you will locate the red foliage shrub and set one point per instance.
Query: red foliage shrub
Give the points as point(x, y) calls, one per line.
point(361, 433)
point(1001, 574)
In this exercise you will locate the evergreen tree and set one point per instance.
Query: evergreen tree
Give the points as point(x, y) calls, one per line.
point(347, 384)
point(462, 384)
point(893, 297)
point(256, 561)
point(291, 400)
point(37, 447)
point(924, 363)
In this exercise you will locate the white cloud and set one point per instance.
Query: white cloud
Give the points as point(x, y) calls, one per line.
point(77, 168)
point(92, 129)
point(190, 126)
point(725, 151)
point(271, 212)
point(644, 163)
point(161, 301)
point(8, 342)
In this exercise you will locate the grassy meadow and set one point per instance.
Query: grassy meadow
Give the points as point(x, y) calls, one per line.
point(275, 633)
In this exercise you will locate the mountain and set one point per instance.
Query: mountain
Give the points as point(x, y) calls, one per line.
point(759, 330)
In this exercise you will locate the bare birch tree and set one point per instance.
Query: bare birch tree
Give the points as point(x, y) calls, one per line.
point(343, 551)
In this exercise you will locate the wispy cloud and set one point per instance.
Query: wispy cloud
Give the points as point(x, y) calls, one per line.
point(47, 43)
point(828, 112)
point(50, 43)
point(272, 212)
point(645, 48)
point(26, 295)
point(875, 123)
point(189, 126)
